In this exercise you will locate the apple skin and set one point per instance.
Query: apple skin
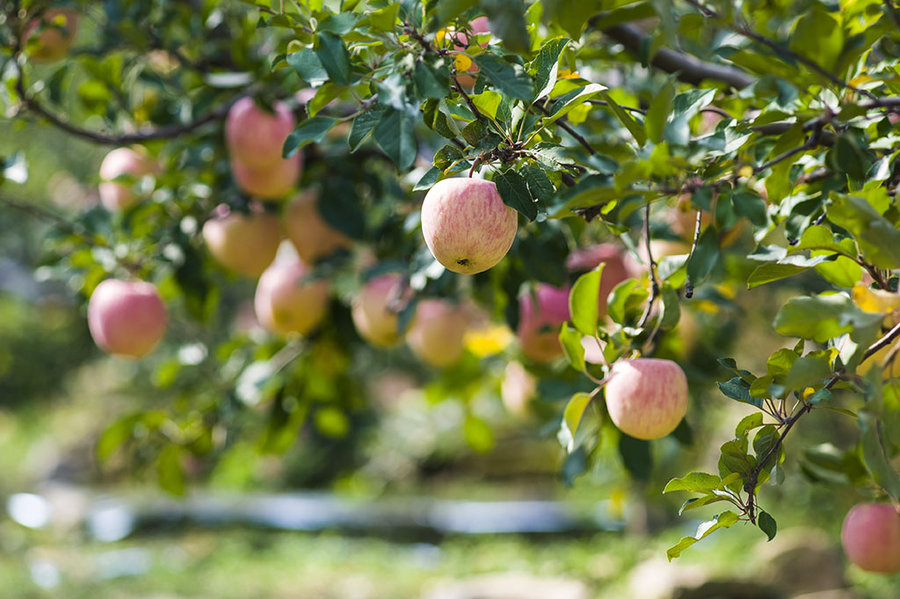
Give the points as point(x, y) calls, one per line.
point(466, 225)
point(312, 237)
point(436, 335)
point(59, 26)
point(538, 329)
point(126, 318)
point(286, 304)
point(646, 397)
point(254, 137)
point(371, 311)
point(618, 266)
point(134, 162)
point(517, 388)
point(245, 243)
point(273, 182)
point(871, 537)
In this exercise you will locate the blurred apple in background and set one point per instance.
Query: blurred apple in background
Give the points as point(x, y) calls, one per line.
point(286, 301)
point(540, 318)
point(131, 163)
point(243, 242)
point(49, 37)
point(126, 318)
point(374, 310)
point(437, 330)
point(313, 238)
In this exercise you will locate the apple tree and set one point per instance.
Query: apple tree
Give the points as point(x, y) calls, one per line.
point(657, 155)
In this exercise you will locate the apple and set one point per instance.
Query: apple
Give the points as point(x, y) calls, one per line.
point(50, 37)
point(436, 334)
point(465, 66)
point(312, 237)
point(126, 318)
point(517, 388)
point(245, 243)
point(466, 225)
point(539, 323)
point(270, 183)
point(285, 302)
point(131, 162)
point(646, 397)
point(871, 537)
point(618, 266)
point(373, 310)
point(254, 137)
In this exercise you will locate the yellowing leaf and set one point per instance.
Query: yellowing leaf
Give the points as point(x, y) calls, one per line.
point(567, 74)
point(489, 340)
point(462, 63)
point(875, 300)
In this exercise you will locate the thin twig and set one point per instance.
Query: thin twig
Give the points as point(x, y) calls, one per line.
point(689, 284)
point(651, 267)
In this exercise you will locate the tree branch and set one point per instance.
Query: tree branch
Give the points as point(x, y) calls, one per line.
point(689, 68)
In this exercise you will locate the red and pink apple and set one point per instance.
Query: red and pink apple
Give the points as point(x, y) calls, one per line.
point(871, 537)
point(126, 318)
point(646, 397)
point(466, 225)
point(540, 318)
point(254, 136)
point(272, 182)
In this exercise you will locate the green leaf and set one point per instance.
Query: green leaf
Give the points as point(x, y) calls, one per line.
point(818, 36)
point(723, 520)
point(570, 339)
point(335, 58)
point(488, 102)
point(739, 390)
point(572, 418)
point(478, 433)
point(396, 136)
point(431, 82)
point(634, 127)
point(807, 372)
point(308, 66)
point(659, 111)
point(513, 190)
point(848, 158)
point(363, 125)
point(874, 454)
point(584, 302)
point(538, 183)
point(507, 18)
point(748, 423)
point(572, 100)
point(309, 131)
point(384, 19)
point(878, 238)
point(821, 317)
point(545, 66)
point(511, 79)
point(767, 524)
point(775, 271)
point(704, 257)
point(697, 482)
point(571, 15)
point(169, 472)
point(636, 457)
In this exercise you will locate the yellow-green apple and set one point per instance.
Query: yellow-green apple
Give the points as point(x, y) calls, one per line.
point(286, 301)
point(618, 266)
point(539, 320)
point(49, 37)
point(246, 243)
point(466, 225)
point(374, 309)
point(871, 537)
point(126, 318)
point(312, 237)
point(646, 397)
point(132, 163)
point(272, 182)
point(254, 136)
point(436, 334)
